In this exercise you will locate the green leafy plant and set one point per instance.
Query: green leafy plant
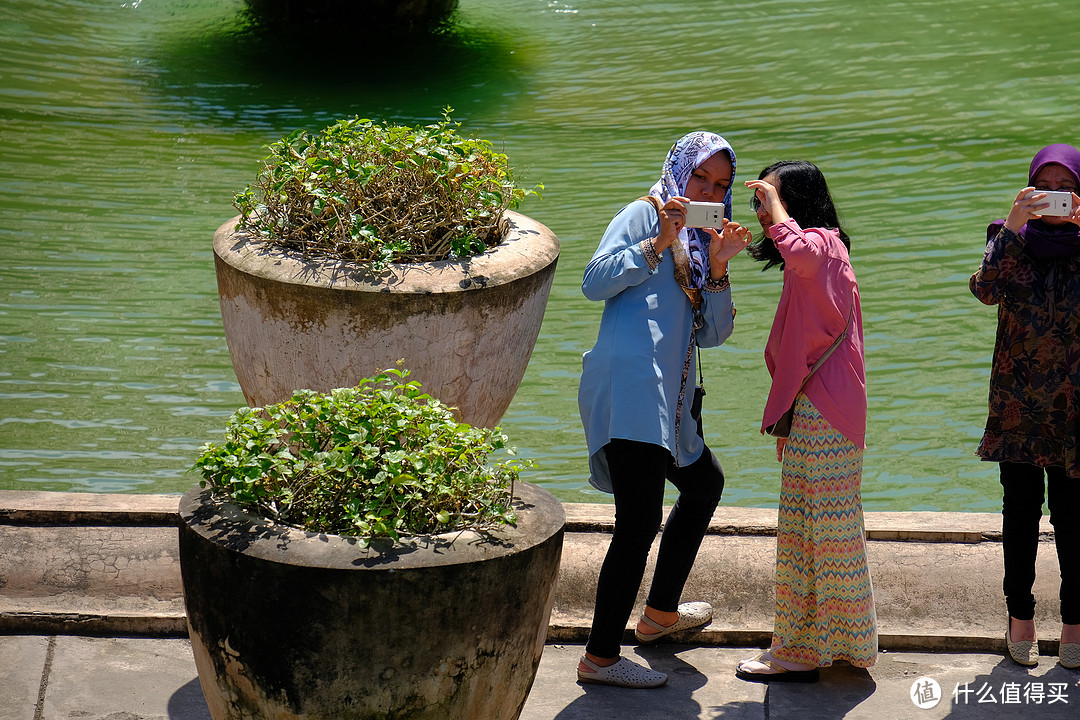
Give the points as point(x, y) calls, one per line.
point(381, 193)
point(381, 459)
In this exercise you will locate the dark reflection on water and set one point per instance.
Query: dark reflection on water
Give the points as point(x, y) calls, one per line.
point(127, 128)
point(246, 77)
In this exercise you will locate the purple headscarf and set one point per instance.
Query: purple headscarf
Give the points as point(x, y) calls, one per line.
point(682, 159)
point(1046, 241)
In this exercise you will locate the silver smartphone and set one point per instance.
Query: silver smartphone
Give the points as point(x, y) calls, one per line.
point(704, 214)
point(1060, 203)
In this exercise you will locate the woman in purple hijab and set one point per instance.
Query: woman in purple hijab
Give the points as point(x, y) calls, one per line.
point(1031, 271)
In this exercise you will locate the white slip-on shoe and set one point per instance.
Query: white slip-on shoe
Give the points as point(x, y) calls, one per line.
point(625, 673)
point(1069, 655)
point(692, 615)
point(1024, 652)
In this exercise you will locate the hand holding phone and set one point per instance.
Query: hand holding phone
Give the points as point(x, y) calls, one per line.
point(1060, 202)
point(704, 214)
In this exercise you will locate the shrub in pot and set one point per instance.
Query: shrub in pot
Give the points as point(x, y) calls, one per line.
point(357, 554)
point(369, 243)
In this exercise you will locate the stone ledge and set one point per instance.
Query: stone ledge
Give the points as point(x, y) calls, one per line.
point(93, 624)
point(19, 507)
point(761, 637)
point(97, 564)
point(946, 527)
point(50, 508)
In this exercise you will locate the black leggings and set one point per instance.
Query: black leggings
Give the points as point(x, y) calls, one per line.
point(638, 471)
point(1021, 512)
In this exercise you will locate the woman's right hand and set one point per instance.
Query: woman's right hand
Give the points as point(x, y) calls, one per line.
point(769, 197)
point(672, 219)
point(1025, 207)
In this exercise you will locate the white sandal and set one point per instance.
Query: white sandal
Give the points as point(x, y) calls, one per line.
point(692, 615)
point(773, 672)
point(625, 673)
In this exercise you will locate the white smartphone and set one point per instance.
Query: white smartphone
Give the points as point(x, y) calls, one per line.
point(704, 214)
point(1060, 203)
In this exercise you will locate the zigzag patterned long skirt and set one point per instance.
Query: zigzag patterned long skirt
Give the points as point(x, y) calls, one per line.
point(824, 597)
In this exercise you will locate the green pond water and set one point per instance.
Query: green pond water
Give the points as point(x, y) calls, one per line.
point(126, 127)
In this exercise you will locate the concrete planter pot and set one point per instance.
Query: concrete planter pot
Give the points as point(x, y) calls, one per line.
point(465, 328)
point(286, 624)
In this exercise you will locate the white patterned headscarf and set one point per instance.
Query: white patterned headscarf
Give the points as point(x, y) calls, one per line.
point(682, 159)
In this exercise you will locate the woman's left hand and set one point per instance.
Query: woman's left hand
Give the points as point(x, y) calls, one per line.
point(781, 443)
point(731, 240)
point(1075, 216)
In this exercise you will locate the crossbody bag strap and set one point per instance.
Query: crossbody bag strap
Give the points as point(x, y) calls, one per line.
point(836, 343)
point(682, 392)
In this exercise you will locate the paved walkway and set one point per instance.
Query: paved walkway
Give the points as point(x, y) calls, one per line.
point(65, 677)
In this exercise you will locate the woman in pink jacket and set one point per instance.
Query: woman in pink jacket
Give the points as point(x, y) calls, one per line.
point(824, 598)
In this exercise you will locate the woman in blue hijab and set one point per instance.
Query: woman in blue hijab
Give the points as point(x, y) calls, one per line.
point(666, 292)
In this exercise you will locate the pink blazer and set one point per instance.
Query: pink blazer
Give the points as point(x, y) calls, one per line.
point(819, 291)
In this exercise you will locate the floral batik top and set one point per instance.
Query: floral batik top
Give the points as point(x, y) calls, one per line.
point(1034, 412)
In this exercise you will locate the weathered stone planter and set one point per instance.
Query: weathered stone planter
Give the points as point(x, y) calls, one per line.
point(286, 624)
point(465, 328)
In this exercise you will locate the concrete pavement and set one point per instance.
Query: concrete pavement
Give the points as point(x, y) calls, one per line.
point(65, 677)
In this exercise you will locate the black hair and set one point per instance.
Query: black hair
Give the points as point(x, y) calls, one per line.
point(804, 190)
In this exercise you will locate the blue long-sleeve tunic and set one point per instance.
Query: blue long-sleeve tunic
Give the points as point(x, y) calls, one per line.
point(630, 379)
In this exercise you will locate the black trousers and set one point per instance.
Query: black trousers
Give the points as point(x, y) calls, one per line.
point(1021, 511)
point(638, 471)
